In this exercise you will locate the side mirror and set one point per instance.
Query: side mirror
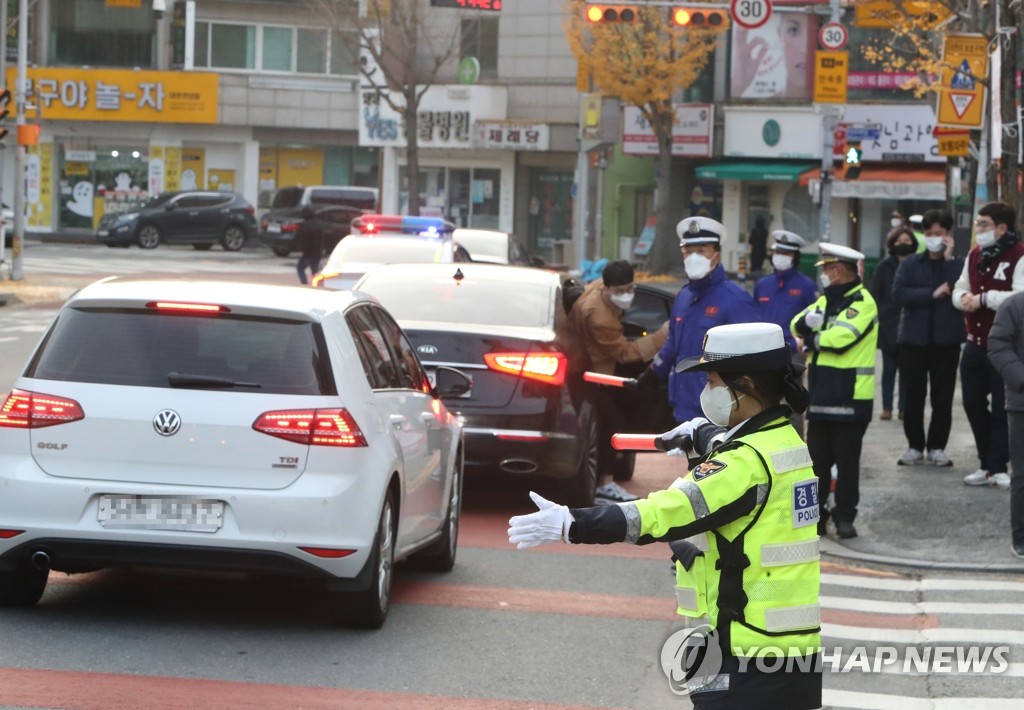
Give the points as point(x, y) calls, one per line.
point(170, 206)
point(450, 382)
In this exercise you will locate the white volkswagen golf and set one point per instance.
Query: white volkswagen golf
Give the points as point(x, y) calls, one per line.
point(228, 426)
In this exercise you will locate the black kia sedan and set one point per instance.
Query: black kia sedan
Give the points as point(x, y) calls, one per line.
point(201, 219)
point(529, 412)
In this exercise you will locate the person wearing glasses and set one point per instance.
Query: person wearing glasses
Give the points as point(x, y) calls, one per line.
point(994, 271)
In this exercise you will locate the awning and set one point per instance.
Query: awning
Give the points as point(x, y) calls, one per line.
point(777, 171)
point(889, 182)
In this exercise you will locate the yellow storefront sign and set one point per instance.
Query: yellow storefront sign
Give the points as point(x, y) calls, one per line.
point(69, 94)
point(830, 74)
point(887, 13)
point(961, 90)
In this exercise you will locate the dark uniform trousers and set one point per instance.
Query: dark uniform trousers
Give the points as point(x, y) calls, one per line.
point(839, 443)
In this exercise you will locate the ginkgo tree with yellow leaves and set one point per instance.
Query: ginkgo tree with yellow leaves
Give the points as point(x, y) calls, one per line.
point(645, 62)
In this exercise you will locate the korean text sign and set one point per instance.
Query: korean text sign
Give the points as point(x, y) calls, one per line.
point(69, 94)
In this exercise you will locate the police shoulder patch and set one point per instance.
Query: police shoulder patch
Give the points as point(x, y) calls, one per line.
point(851, 312)
point(707, 468)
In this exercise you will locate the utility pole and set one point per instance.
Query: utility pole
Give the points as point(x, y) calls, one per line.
point(3, 82)
point(829, 124)
point(19, 160)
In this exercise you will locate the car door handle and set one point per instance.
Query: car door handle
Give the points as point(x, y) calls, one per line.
point(397, 420)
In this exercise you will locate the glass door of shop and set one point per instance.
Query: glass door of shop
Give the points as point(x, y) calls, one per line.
point(469, 197)
point(95, 182)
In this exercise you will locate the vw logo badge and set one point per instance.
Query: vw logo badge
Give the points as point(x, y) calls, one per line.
point(167, 422)
point(427, 350)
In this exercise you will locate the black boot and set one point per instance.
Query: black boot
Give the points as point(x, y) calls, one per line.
point(845, 529)
point(823, 522)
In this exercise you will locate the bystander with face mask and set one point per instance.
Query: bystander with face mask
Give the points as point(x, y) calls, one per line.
point(900, 244)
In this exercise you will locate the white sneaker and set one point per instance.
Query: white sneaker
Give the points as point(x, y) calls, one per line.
point(612, 493)
point(937, 457)
point(978, 478)
point(1000, 480)
point(911, 457)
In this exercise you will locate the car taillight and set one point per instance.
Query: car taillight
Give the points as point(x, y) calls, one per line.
point(290, 227)
point(250, 209)
point(543, 367)
point(263, 224)
point(318, 279)
point(182, 307)
point(312, 427)
point(31, 410)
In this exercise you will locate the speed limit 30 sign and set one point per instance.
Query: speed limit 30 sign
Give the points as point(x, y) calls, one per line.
point(750, 14)
point(833, 35)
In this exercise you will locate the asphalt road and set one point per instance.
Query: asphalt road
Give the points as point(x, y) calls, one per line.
point(559, 627)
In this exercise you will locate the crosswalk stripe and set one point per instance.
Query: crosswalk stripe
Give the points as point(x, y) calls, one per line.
point(888, 607)
point(868, 634)
point(924, 585)
point(853, 700)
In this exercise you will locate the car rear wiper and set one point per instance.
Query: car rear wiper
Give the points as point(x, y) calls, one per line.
point(177, 379)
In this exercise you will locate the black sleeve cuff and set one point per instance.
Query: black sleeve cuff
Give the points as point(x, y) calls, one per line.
point(597, 526)
point(703, 436)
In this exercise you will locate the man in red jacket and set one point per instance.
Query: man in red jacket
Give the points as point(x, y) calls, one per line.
point(993, 272)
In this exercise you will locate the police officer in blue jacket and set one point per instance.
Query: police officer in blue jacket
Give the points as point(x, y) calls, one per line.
point(785, 292)
point(708, 300)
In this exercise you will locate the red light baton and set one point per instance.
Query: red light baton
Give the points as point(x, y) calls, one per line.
point(609, 380)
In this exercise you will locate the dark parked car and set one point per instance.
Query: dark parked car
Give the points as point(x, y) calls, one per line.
point(280, 225)
point(201, 219)
point(529, 410)
point(331, 223)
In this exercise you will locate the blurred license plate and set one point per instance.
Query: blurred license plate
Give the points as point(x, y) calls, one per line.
point(274, 227)
point(161, 513)
point(432, 376)
point(104, 232)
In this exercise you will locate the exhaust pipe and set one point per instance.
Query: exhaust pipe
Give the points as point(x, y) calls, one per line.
point(40, 560)
point(520, 466)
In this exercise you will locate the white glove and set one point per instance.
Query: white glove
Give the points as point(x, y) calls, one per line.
point(687, 429)
point(549, 524)
point(814, 319)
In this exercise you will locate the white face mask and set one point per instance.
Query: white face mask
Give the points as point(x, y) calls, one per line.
point(622, 300)
point(985, 239)
point(782, 262)
point(697, 266)
point(718, 404)
point(824, 280)
point(896, 222)
point(934, 244)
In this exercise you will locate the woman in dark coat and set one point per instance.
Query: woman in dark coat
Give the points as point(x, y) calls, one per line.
point(900, 243)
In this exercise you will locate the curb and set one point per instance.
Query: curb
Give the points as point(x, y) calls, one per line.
point(838, 551)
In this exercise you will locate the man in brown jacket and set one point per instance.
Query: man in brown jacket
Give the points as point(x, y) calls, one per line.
point(596, 316)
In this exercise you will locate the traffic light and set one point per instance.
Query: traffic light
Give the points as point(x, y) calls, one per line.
point(851, 160)
point(699, 17)
point(5, 100)
point(611, 13)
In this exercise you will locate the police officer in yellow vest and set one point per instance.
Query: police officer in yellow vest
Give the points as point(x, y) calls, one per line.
point(839, 332)
point(741, 525)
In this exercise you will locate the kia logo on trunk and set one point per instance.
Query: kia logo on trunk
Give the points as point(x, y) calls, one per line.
point(167, 422)
point(427, 350)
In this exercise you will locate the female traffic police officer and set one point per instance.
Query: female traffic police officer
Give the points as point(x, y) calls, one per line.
point(750, 507)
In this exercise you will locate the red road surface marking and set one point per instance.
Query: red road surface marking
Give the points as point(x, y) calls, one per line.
point(76, 690)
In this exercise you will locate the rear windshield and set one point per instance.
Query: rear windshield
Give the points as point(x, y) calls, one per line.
point(478, 301)
point(140, 348)
point(364, 199)
point(286, 198)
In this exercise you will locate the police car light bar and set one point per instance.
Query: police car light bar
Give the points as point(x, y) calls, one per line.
point(422, 226)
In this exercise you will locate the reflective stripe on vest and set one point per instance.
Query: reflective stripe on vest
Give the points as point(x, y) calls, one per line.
point(792, 618)
point(792, 553)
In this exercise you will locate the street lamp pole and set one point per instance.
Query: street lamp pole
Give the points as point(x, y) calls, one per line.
point(19, 156)
point(829, 124)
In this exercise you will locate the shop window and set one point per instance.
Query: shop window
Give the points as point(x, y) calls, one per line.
point(480, 40)
point(550, 207)
point(90, 32)
point(233, 46)
point(344, 52)
point(277, 49)
point(311, 51)
point(303, 50)
point(799, 214)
